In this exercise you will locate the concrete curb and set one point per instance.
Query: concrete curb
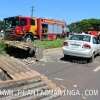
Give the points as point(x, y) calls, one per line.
point(53, 49)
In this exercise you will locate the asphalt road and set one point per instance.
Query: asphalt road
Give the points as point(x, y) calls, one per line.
point(80, 79)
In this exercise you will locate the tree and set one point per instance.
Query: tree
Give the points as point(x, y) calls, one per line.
point(1, 25)
point(85, 25)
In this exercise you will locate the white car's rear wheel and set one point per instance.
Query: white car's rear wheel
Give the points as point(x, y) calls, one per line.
point(65, 56)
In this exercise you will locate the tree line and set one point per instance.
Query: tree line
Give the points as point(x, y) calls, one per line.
point(85, 25)
point(1, 25)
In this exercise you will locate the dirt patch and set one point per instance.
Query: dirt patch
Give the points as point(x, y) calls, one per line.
point(23, 80)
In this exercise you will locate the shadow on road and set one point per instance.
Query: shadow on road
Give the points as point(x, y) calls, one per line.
point(73, 59)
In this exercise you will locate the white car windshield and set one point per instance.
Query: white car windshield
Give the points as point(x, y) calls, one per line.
point(80, 38)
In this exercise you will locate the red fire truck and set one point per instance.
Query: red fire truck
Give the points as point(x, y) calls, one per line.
point(27, 28)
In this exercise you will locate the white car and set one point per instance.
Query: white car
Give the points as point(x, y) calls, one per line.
point(82, 45)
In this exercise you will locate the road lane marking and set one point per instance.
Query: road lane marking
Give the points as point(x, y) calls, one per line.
point(59, 79)
point(97, 69)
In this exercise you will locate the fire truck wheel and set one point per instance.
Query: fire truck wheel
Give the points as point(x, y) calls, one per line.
point(28, 38)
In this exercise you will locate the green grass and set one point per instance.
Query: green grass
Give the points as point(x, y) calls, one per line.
point(46, 44)
point(2, 48)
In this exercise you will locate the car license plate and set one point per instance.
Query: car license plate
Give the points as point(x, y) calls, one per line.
point(75, 45)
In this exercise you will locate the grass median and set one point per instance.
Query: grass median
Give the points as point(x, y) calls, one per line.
point(2, 48)
point(47, 44)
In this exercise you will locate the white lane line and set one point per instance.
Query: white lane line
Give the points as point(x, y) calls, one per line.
point(97, 69)
point(59, 79)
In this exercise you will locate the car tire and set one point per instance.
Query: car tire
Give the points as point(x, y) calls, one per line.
point(65, 56)
point(28, 38)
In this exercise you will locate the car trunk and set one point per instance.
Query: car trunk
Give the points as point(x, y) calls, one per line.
point(76, 45)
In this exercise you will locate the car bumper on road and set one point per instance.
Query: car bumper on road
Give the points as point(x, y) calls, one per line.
point(84, 53)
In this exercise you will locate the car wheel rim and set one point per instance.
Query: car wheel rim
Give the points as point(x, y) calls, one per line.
point(28, 39)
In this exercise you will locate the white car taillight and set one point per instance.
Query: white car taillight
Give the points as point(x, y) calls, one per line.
point(65, 43)
point(87, 46)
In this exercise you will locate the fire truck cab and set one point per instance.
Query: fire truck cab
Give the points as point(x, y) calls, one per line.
point(20, 27)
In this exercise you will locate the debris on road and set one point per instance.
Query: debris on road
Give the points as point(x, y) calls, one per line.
point(23, 79)
point(26, 49)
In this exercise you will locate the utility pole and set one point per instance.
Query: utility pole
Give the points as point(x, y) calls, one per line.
point(32, 9)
